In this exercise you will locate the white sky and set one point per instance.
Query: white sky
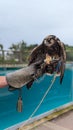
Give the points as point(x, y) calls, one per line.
point(32, 20)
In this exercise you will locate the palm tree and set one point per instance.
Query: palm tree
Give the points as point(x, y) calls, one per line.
point(1, 46)
point(1, 49)
point(23, 49)
point(19, 50)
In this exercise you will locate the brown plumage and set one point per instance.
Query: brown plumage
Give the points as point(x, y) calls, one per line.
point(52, 46)
point(48, 57)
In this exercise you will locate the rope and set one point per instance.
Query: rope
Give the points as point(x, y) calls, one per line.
point(53, 80)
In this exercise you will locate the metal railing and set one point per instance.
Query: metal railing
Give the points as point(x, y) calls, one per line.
point(14, 57)
point(18, 57)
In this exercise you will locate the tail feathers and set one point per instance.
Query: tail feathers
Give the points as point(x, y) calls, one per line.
point(62, 72)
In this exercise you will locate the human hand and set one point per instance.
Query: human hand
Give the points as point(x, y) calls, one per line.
point(3, 81)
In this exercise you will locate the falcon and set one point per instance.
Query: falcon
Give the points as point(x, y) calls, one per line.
point(47, 58)
point(50, 56)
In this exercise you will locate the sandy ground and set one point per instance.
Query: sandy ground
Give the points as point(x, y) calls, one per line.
point(63, 122)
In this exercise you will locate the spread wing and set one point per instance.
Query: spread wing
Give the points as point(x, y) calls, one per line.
point(37, 54)
point(52, 46)
point(57, 48)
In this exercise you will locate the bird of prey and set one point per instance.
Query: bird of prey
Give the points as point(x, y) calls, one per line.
point(52, 52)
point(49, 57)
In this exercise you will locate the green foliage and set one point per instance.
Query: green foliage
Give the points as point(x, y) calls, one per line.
point(1, 47)
point(69, 52)
point(69, 56)
point(19, 53)
point(69, 48)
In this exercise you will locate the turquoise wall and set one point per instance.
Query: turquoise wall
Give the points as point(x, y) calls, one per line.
point(57, 96)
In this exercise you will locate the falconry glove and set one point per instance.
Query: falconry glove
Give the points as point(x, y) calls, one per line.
point(48, 57)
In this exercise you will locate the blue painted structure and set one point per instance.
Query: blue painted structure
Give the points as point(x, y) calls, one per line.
point(57, 96)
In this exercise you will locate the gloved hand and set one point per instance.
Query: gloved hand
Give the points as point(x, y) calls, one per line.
point(45, 58)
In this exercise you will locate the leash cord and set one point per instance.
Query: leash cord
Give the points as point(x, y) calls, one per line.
point(52, 82)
